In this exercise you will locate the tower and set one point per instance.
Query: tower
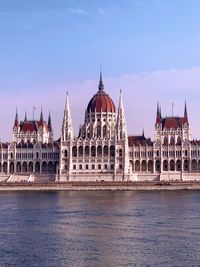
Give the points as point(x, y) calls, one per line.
point(66, 144)
point(67, 128)
point(122, 141)
point(16, 127)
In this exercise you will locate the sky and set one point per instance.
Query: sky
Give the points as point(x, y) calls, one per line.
point(148, 48)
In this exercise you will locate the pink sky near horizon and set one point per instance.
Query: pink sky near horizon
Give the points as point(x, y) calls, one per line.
point(140, 95)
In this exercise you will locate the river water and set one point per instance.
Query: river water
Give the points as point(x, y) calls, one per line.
point(100, 228)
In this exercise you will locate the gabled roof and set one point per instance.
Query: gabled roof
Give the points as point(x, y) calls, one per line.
point(137, 140)
point(32, 126)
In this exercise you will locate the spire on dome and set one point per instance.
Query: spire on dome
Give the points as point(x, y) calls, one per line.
point(101, 86)
point(49, 122)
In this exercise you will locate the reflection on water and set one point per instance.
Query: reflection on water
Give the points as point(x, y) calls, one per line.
point(100, 229)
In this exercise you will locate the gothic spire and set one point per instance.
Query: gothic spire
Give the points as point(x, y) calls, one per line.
point(185, 113)
point(158, 115)
point(143, 132)
point(25, 117)
point(185, 110)
point(67, 129)
point(16, 124)
point(49, 122)
point(121, 121)
point(41, 115)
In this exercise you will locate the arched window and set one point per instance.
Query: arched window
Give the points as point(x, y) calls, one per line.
point(80, 151)
point(157, 165)
point(66, 154)
point(5, 167)
point(18, 167)
point(172, 142)
point(112, 151)
point(137, 165)
point(24, 167)
point(172, 165)
point(93, 151)
point(120, 152)
point(194, 165)
point(74, 151)
point(178, 165)
point(105, 151)
point(37, 167)
point(11, 167)
point(87, 151)
point(104, 131)
point(44, 167)
point(99, 151)
point(144, 165)
point(150, 165)
point(30, 166)
point(98, 131)
point(165, 165)
point(178, 140)
point(165, 142)
point(186, 165)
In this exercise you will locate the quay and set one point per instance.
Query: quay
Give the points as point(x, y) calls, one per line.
point(100, 186)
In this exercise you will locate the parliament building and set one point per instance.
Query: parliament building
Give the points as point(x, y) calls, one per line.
point(103, 150)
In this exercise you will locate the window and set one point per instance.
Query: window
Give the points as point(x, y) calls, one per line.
point(99, 166)
point(74, 167)
point(186, 153)
point(93, 166)
point(105, 166)
point(80, 167)
point(86, 166)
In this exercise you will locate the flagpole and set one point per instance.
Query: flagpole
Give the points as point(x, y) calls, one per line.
point(172, 109)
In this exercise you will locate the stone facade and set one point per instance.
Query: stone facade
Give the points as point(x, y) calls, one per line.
point(102, 151)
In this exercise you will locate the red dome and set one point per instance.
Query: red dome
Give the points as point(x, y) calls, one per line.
point(101, 102)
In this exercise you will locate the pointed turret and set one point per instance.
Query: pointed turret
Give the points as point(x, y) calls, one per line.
point(49, 122)
point(67, 129)
point(143, 132)
point(101, 86)
point(41, 116)
point(121, 121)
point(158, 115)
point(25, 117)
point(16, 124)
point(185, 114)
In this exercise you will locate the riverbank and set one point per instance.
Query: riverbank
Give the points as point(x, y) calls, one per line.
point(99, 186)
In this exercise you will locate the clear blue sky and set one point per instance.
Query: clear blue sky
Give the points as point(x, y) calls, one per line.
point(46, 43)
